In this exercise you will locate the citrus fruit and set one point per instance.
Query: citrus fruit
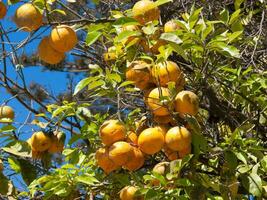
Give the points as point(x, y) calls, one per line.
point(178, 138)
point(184, 152)
point(48, 54)
point(6, 112)
point(145, 11)
point(128, 193)
point(157, 101)
point(165, 72)
point(120, 152)
point(186, 102)
point(139, 73)
point(171, 26)
point(151, 140)
point(57, 143)
point(28, 17)
point(104, 162)
point(112, 131)
point(40, 141)
point(63, 38)
point(136, 161)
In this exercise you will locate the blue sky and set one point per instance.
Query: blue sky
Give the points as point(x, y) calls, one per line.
point(51, 80)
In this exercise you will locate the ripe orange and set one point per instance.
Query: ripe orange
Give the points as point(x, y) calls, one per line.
point(3, 10)
point(40, 141)
point(1, 165)
point(163, 119)
point(128, 193)
point(63, 38)
point(48, 54)
point(171, 26)
point(57, 143)
point(157, 102)
point(186, 102)
point(187, 150)
point(112, 131)
point(171, 155)
point(178, 138)
point(139, 73)
point(131, 137)
point(120, 152)
point(165, 72)
point(136, 161)
point(151, 140)
point(6, 112)
point(103, 160)
point(145, 11)
point(28, 17)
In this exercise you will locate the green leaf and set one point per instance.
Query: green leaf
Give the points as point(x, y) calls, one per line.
point(161, 2)
point(92, 37)
point(194, 17)
point(225, 49)
point(126, 34)
point(234, 16)
point(224, 16)
point(171, 37)
point(88, 180)
point(238, 3)
point(83, 83)
point(252, 183)
point(7, 128)
point(125, 21)
point(14, 164)
point(18, 148)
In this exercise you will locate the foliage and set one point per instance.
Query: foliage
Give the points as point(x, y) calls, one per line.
point(223, 58)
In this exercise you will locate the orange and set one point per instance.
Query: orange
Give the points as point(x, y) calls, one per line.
point(184, 152)
point(178, 138)
point(136, 161)
point(120, 152)
point(139, 73)
point(63, 38)
point(145, 11)
point(57, 143)
point(48, 54)
point(128, 193)
point(6, 112)
point(165, 72)
point(171, 26)
point(1, 165)
point(40, 141)
point(151, 140)
point(171, 155)
point(112, 131)
point(104, 162)
point(131, 137)
point(3, 10)
point(157, 101)
point(186, 102)
point(28, 17)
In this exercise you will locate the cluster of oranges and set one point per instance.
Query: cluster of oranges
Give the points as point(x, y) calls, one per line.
point(41, 143)
point(52, 48)
point(124, 148)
